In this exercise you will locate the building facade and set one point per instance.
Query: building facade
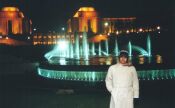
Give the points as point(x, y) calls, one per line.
point(87, 19)
point(13, 21)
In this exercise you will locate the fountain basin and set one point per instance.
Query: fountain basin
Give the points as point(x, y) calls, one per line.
point(97, 73)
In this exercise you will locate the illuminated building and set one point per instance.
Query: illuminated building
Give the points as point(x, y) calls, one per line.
point(13, 21)
point(112, 25)
point(84, 19)
point(49, 39)
point(87, 19)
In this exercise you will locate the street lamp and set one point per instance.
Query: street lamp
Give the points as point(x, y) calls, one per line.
point(158, 27)
point(106, 24)
point(140, 30)
point(106, 29)
point(63, 32)
point(34, 29)
point(63, 29)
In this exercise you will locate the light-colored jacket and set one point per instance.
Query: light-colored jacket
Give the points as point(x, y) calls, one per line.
point(122, 82)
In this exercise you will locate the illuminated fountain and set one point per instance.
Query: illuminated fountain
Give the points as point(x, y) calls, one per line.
point(149, 45)
point(77, 51)
point(82, 49)
point(130, 48)
point(99, 49)
point(85, 47)
point(107, 47)
point(81, 60)
point(116, 48)
point(93, 49)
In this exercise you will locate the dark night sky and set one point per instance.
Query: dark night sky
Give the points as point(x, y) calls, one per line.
point(53, 14)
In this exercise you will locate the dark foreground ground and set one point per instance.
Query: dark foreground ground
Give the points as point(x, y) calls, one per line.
point(30, 91)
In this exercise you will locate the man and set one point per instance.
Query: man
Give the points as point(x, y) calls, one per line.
point(122, 82)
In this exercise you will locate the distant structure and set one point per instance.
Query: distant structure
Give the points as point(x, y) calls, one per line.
point(87, 19)
point(15, 28)
point(12, 21)
point(46, 39)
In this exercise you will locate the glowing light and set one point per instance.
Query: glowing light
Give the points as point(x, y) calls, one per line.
point(11, 9)
point(149, 45)
point(106, 24)
point(98, 38)
point(15, 17)
point(6, 38)
point(87, 15)
point(117, 33)
point(0, 36)
point(130, 48)
point(34, 29)
point(62, 61)
point(159, 32)
point(141, 50)
point(86, 9)
point(9, 14)
point(63, 45)
point(127, 31)
point(62, 28)
point(28, 38)
point(158, 27)
point(140, 30)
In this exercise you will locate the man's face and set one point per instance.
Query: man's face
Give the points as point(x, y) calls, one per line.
point(123, 60)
